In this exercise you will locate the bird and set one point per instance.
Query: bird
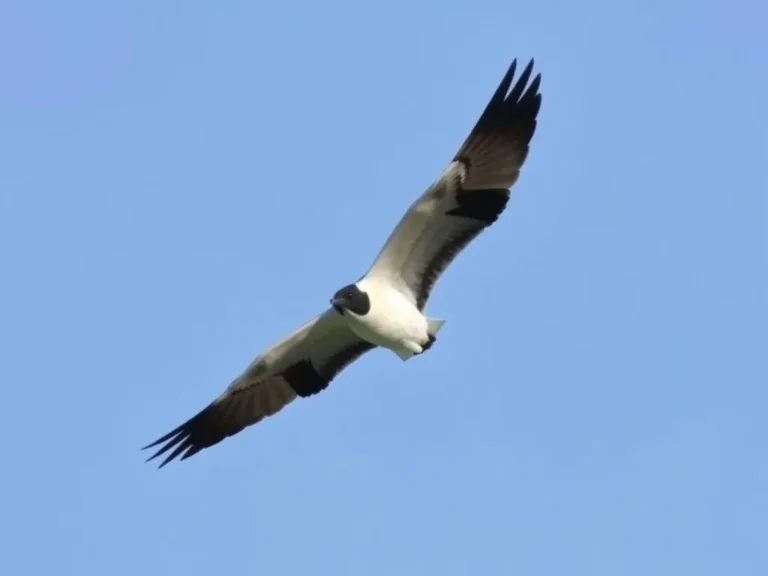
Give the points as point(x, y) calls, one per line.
point(385, 308)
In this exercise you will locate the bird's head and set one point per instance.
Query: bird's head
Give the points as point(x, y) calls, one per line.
point(351, 298)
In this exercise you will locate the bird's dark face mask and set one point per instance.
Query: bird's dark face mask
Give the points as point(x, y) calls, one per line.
point(353, 299)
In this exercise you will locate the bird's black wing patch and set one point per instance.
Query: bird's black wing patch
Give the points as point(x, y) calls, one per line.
point(485, 206)
point(307, 380)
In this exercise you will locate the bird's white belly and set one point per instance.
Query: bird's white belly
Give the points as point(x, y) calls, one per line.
point(393, 322)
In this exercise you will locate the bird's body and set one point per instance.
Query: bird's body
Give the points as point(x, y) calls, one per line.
point(384, 308)
point(393, 321)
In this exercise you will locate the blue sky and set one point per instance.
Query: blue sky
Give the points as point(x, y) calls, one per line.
point(181, 186)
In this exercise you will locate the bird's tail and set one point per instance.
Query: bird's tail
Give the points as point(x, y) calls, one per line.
point(434, 325)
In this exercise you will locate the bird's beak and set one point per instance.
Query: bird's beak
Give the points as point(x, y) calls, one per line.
point(338, 303)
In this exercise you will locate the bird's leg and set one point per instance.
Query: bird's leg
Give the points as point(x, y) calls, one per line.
point(428, 345)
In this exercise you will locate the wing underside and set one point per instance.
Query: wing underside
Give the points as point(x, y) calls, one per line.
point(302, 365)
point(470, 194)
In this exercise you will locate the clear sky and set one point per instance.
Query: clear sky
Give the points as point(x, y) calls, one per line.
point(181, 185)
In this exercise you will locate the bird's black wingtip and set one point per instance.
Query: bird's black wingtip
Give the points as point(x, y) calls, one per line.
point(155, 455)
point(152, 445)
point(167, 458)
point(507, 93)
point(152, 458)
point(175, 438)
point(528, 66)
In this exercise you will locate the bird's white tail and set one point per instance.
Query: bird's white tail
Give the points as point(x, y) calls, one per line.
point(434, 325)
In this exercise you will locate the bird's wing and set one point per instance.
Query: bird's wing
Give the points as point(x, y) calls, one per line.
point(301, 364)
point(469, 195)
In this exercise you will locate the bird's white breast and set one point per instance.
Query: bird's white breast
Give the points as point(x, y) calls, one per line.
point(392, 322)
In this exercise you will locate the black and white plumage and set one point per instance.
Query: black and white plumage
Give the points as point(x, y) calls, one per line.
point(385, 307)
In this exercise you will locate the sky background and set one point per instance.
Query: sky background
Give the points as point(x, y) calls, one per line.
point(183, 184)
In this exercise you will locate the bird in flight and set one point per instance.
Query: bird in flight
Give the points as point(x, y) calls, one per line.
point(385, 308)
